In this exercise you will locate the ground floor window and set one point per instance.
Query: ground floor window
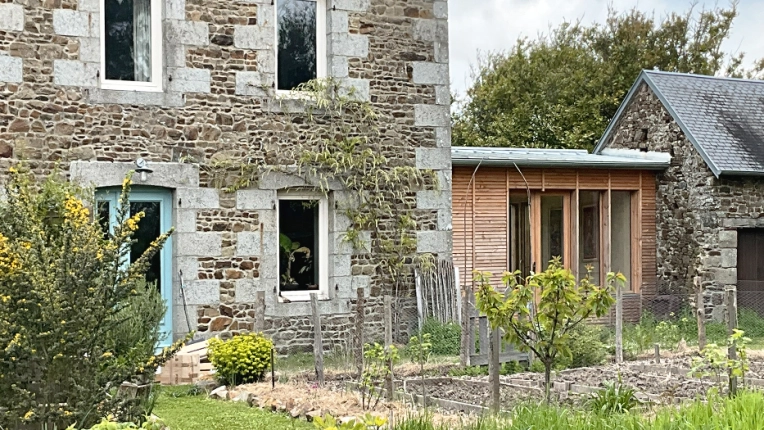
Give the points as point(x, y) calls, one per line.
point(303, 246)
point(601, 222)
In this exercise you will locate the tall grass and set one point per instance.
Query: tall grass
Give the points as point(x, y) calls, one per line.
point(740, 413)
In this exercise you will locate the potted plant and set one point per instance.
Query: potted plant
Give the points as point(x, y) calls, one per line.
point(290, 250)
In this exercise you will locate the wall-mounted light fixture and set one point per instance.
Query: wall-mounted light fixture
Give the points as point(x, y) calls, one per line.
point(143, 169)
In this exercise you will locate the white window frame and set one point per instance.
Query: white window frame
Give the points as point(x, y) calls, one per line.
point(155, 85)
point(323, 246)
point(321, 44)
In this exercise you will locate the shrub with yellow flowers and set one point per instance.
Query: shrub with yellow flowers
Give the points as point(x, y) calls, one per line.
point(242, 359)
point(76, 317)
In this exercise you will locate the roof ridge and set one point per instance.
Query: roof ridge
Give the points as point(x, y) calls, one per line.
point(699, 76)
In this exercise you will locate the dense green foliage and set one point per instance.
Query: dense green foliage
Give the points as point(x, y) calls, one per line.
point(588, 346)
point(562, 89)
point(68, 294)
point(614, 398)
point(241, 359)
point(560, 303)
point(445, 338)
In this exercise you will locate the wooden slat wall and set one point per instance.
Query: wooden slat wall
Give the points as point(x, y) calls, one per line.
point(490, 221)
point(462, 195)
point(649, 263)
point(486, 244)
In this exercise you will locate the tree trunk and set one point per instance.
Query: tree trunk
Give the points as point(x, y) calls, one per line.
point(548, 382)
point(619, 323)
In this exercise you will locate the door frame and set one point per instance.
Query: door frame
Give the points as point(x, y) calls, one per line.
point(164, 197)
point(536, 238)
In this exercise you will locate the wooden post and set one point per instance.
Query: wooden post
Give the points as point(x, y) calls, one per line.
point(358, 339)
point(494, 367)
point(700, 313)
point(731, 326)
point(388, 302)
point(259, 311)
point(657, 354)
point(466, 310)
point(318, 344)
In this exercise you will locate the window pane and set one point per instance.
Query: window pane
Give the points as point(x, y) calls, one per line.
point(620, 245)
point(298, 244)
point(128, 40)
point(296, 43)
point(148, 231)
point(104, 216)
point(589, 234)
point(520, 234)
point(551, 229)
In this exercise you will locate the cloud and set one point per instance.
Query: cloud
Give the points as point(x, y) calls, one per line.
point(494, 25)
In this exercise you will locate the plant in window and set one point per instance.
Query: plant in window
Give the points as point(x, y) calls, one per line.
point(291, 250)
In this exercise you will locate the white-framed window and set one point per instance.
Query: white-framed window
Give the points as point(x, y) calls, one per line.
point(131, 45)
point(300, 42)
point(303, 261)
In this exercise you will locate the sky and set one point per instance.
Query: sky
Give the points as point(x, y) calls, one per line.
point(494, 25)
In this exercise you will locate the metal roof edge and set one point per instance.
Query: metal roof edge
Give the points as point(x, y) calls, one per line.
point(619, 112)
point(740, 173)
point(645, 165)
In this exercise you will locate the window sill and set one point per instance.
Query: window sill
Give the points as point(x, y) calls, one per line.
point(302, 297)
point(135, 97)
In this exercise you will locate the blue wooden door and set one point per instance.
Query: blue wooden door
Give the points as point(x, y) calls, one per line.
point(156, 204)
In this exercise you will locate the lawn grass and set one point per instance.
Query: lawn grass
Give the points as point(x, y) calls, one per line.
point(181, 411)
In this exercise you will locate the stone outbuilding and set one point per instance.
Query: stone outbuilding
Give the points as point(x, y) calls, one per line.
point(710, 200)
point(179, 88)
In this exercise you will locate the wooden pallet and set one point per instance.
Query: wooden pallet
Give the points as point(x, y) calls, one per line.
point(189, 365)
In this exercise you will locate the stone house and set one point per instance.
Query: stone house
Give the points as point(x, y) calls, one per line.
point(710, 199)
point(171, 87)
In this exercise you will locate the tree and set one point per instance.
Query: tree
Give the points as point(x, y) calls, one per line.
point(562, 89)
point(74, 323)
point(561, 305)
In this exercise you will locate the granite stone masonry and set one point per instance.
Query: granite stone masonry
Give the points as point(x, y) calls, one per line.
point(215, 103)
point(698, 214)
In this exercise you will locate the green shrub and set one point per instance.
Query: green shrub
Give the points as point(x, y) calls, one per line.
point(750, 322)
point(242, 359)
point(445, 338)
point(468, 371)
point(614, 398)
point(110, 424)
point(588, 346)
point(65, 287)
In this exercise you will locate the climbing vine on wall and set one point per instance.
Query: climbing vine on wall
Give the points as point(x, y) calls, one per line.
point(346, 149)
point(334, 141)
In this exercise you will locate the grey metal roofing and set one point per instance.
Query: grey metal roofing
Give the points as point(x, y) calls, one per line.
point(722, 117)
point(528, 157)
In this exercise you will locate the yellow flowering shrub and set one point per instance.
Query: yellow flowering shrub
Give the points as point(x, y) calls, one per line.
point(242, 359)
point(66, 292)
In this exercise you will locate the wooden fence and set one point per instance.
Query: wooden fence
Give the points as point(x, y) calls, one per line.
point(478, 338)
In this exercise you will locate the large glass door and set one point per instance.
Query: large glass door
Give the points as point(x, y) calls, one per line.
point(157, 208)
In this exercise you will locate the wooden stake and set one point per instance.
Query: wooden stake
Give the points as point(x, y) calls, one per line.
point(358, 339)
point(700, 313)
point(259, 311)
point(494, 366)
point(657, 353)
point(388, 302)
point(731, 326)
point(466, 308)
point(318, 344)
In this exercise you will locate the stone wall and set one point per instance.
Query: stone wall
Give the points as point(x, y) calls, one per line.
point(697, 213)
point(218, 104)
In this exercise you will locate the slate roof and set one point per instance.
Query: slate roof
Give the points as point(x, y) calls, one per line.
point(722, 117)
point(529, 157)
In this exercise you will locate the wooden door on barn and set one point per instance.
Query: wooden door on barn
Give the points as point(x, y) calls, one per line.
point(750, 269)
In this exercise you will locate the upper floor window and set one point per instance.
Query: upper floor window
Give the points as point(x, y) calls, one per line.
point(301, 42)
point(131, 44)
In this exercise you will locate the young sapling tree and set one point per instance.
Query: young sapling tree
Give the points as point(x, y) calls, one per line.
point(561, 304)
